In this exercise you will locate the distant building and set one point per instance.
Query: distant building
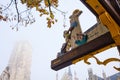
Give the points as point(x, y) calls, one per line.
point(104, 76)
point(118, 78)
point(91, 76)
point(5, 74)
point(115, 76)
point(95, 77)
point(19, 64)
point(75, 76)
point(68, 75)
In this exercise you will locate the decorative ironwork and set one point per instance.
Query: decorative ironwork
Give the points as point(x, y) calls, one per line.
point(105, 62)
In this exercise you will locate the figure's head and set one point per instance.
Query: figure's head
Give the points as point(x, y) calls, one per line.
point(76, 13)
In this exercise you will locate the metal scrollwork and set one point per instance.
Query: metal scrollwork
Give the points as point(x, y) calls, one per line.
point(105, 62)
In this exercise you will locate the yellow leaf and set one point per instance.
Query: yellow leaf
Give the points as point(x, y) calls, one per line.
point(47, 18)
point(46, 3)
point(49, 26)
point(51, 15)
point(41, 15)
point(53, 22)
point(23, 1)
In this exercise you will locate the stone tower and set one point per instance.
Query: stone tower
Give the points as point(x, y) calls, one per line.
point(104, 76)
point(67, 75)
point(75, 76)
point(19, 64)
point(90, 73)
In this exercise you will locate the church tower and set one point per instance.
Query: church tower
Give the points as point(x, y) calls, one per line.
point(90, 73)
point(19, 65)
point(69, 73)
point(75, 76)
point(104, 76)
point(56, 76)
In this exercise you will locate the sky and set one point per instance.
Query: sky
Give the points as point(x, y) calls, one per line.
point(46, 42)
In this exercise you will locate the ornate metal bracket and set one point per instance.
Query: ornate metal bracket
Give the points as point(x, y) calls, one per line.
point(105, 62)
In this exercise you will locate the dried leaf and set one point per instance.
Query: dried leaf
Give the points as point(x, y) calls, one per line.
point(49, 23)
point(47, 18)
point(1, 17)
point(49, 26)
point(53, 22)
point(41, 15)
point(23, 1)
point(4, 19)
point(46, 3)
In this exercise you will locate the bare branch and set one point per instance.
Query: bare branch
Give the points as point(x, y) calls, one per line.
point(49, 6)
point(25, 11)
point(17, 10)
point(8, 6)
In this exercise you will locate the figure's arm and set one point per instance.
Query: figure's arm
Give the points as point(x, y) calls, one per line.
point(70, 29)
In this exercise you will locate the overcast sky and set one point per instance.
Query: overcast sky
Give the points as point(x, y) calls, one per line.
point(47, 42)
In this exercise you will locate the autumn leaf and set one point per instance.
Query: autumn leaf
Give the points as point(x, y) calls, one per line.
point(41, 15)
point(42, 6)
point(51, 15)
point(1, 17)
point(49, 23)
point(23, 1)
point(46, 3)
point(4, 19)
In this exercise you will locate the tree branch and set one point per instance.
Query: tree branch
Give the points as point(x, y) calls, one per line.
point(8, 6)
point(49, 6)
point(24, 11)
point(17, 10)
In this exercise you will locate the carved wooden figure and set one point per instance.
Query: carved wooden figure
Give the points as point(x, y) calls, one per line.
point(75, 27)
